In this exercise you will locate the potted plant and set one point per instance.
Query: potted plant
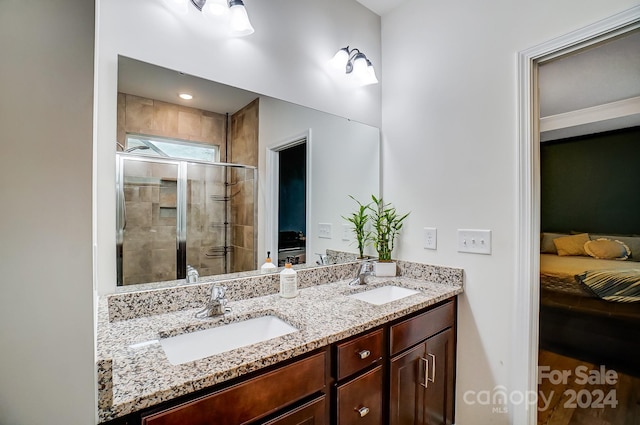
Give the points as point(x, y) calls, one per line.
point(386, 224)
point(359, 220)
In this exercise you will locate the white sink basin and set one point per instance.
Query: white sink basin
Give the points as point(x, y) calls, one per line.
point(200, 344)
point(384, 294)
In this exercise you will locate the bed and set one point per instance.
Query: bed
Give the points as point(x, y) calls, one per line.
point(574, 319)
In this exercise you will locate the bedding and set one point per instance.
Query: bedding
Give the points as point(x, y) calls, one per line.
point(613, 285)
point(557, 273)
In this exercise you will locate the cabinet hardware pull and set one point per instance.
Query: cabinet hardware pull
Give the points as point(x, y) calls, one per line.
point(364, 354)
point(433, 367)
point(426, 373)
point(363, 411)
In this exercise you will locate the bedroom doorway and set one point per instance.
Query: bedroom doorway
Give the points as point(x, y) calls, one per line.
point(527, 296)
point(289, 199)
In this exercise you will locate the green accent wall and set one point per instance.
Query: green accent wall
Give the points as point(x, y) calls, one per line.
point(592, 183)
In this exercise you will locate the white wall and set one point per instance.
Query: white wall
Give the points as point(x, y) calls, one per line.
point(345, 160)
point(46, 305)
point(449, 114)
point(285, 58)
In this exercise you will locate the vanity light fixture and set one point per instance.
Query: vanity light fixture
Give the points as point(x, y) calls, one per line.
point(238, 17)
point(185, 96)
point(356, 63)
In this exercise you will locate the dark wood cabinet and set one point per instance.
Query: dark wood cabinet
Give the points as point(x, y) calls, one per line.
point(311, 413)
point(422, 378)
point(359, 401)
point(249, 400)
point(356, 354)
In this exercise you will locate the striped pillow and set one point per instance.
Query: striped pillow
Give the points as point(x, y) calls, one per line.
point(613, 285)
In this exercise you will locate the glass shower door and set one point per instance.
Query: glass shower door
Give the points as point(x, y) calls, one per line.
point(147, 221)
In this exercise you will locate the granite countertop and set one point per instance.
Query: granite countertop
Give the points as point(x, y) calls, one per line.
point(134, 373)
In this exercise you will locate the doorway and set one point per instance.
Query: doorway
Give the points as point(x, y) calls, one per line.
point(289, 199)
point(527, 299)
point(292, 205)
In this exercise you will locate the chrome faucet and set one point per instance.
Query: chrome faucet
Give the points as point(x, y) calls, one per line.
point(216, 306)
point(192, 275)
point(365, 270)
point(324, 259)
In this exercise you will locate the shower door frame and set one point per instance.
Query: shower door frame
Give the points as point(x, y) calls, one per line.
point(181, 206)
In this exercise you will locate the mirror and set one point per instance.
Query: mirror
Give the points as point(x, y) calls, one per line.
point(251, 131)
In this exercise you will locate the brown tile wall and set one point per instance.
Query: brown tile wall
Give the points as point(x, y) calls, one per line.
point(156, 118)
point(243, 150)
point(149, 245)
point(205, 219)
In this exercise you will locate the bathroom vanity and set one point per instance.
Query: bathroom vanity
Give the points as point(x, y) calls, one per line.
point(350, 361)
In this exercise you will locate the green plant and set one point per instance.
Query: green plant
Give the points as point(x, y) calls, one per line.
point(386, 226)
point(359, 221)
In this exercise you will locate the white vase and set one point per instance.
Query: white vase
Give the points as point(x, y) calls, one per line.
point(384, 269)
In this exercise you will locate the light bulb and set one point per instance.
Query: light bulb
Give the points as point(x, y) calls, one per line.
point(340, 59)
point(215, 7)
point(371, 75)
point(360, 67)
point(239, 19)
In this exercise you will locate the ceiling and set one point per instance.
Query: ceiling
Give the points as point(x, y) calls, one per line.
point(380, 6)
point(154, 82)
point(596, 76)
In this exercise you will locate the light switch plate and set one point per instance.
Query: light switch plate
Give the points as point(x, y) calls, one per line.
point(346, 232)
point(324, 230)
point(474, 241)
point(430, 238)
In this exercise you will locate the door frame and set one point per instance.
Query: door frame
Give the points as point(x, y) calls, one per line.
point(272, 198)
point(527, 293)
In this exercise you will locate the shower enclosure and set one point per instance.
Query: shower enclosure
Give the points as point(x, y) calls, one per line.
point(175, 213)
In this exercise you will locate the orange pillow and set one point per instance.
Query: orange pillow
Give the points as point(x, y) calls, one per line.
point(571, 245)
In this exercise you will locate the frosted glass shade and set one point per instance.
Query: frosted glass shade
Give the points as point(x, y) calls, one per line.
point(239, 20)
point(340, 59)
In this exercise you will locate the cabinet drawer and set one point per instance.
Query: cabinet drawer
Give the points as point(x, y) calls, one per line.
point(412, 331)
point(251, 399)
point(355, 355)
point(311, 413)
point(360, 400)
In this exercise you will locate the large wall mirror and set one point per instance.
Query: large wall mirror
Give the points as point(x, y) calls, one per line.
point(214, 182)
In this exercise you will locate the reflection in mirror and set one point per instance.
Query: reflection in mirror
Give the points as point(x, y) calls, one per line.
point(178, 208)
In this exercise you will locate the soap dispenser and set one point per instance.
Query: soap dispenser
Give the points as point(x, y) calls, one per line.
point(288, 282)
point(268, 266)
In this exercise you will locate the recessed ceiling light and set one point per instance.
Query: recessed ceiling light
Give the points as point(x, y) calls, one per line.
point(185, 96)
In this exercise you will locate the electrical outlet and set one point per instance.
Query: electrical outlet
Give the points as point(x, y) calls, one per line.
point(474, 241)
point(430, 237)
point(346, 232)
point(324, 230)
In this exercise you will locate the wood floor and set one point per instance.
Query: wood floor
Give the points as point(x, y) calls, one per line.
point(594, 402)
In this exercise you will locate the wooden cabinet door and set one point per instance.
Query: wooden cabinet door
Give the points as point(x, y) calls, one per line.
point(422, 383)
point(312, 413)
point(406, 394)
point(439, 394)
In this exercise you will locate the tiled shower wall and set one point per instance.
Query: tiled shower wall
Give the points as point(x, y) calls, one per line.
point(140, 115)
point(244, 150)
point(149, 241)
point(149, 245)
